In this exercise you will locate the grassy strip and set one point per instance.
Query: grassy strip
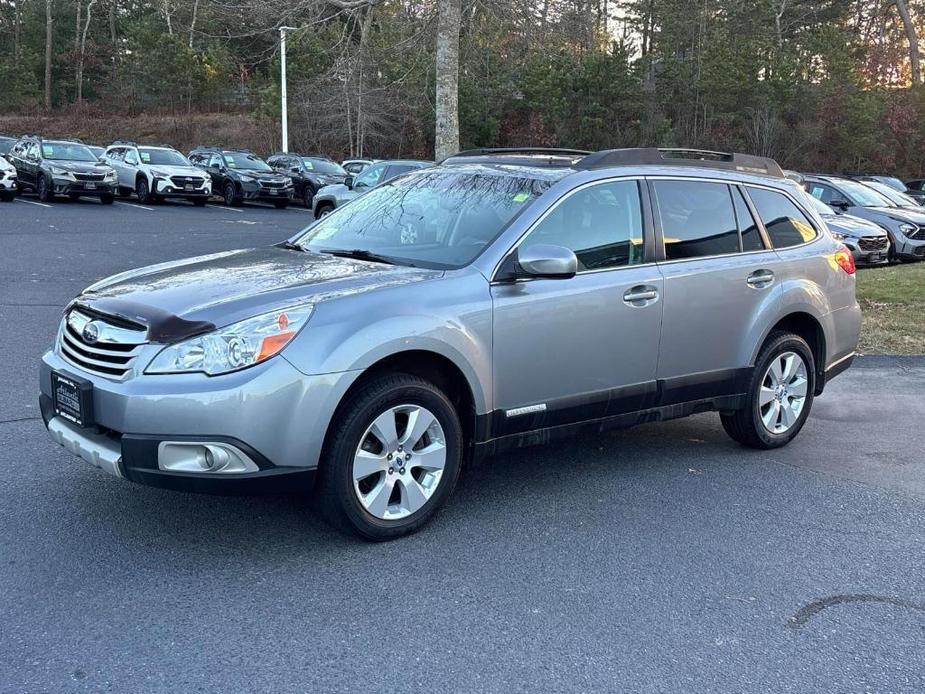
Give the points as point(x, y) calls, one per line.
point(893, 303)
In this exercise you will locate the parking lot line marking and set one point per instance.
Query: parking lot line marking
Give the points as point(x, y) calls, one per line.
point(221, 207)
point(132, 204)
point(33, 202)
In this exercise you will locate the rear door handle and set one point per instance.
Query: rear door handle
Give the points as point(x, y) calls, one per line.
point(640, 295)
point(760, 279)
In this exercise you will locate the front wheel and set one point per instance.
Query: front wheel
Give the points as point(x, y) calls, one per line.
point(45, 193)
point(143, 191)
point(780, 394)
point(231, 198)
point(392, 458)
point(280, 204)
point(199, 202)
point(308, 196)
point(7, 195)
point(107, 198)
point(324, 209)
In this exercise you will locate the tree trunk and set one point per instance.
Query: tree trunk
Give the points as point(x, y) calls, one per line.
point(913, 40)
point(48, 39)
point(449, 19)
point(192, 24)
point(82, 56)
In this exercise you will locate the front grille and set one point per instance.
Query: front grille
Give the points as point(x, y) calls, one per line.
point(113, 352)
point(873, 243)
point(272, 184)
point(89, 177)
point(181, 181)
point(919, 252)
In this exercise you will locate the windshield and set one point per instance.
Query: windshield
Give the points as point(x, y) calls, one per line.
point(436, 219)
point(164, 157)
point(819, 206)
point(67, 151)
point(894, 195)
point(322, 166)
point(240, 160)
point(864, 195)
point(893, 183)
point(6, 146)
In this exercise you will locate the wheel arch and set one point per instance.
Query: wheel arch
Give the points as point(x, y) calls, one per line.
point(808, 327)
point(432, 366)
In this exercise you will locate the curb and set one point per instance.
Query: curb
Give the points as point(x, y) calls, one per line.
point(875, 361)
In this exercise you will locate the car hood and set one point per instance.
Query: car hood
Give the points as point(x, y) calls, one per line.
point(5, 165)
point(224, 288)
point(271, 176)
point(849, 225)
point(79, 166)
point(327, 178)
point(901, 214)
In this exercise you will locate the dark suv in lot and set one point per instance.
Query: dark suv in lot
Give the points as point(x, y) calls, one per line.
point(309, 173)
point(61, 167)
point(239, 175)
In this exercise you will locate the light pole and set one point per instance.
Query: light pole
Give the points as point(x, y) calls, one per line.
point(282, 90)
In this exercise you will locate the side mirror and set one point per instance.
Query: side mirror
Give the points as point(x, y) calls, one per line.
point(547, 261)
point(294, 169)
point(840, 204)
point(349, 181)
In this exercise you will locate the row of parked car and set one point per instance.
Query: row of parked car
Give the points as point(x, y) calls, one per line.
point(880, 218)
point(152, 173)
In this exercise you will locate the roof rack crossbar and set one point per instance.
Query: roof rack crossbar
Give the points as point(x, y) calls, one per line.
point(676, 156)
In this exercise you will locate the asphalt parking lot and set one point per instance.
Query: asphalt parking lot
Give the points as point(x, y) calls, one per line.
point(659, 559)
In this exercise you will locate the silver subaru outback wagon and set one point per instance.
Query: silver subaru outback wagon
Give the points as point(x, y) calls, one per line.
point(494, 301)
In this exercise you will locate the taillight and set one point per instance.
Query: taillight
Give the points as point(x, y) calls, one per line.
point(845, 260)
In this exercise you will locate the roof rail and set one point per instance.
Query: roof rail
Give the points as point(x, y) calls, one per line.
point(519, 151)
point(733, 161)
point(126, 143)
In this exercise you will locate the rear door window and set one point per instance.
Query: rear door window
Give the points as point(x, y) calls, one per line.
point(748, 228)
point(698, 219)
point(787, 226)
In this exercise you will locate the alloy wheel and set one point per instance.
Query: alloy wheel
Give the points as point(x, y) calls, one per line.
point(783, 392)
point(399, 462)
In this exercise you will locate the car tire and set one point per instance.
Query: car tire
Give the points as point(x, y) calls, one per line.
point(385, 504)
point(280, 204)
point(107, 199)
point(143, 191)
point(324, 209)
point(230, 195)
point(199, 202)
point(779, 396)
point(44, 189)
point(7, 196)
point(74, 196)
point(308, 196)
point(123, 192)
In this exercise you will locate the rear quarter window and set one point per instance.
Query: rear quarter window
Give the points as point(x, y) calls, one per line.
point(786, 225)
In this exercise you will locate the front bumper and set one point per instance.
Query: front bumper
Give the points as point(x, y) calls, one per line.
point(167, 189)
point(254, 191)
point(272, 412)
point(8, 183)
point(864, 258)
point(66, 187)
point(911, 249)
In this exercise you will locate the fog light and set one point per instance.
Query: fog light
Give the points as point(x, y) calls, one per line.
point(203, 456)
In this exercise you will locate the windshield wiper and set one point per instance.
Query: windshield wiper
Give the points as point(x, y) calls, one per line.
point(290, 246)
point(360, 254)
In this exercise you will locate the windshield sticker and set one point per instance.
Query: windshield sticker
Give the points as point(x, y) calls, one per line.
point(48, 151)
point(308, 165)
point(145, 157)
point(521, 197)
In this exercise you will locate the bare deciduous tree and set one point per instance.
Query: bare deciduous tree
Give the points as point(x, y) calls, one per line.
point(449, 20)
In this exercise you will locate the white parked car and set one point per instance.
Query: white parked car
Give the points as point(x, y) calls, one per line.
point(155, 173)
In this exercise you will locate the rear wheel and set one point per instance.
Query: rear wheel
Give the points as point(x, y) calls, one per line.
point(392, 458)
point(44, 190)
point(780, 394)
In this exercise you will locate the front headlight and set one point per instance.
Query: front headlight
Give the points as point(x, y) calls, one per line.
point(837, 235)
point(61, 173)
point(233, 347)
point(110, 175)
point(159, 173)
point(908, 229)
point(245, 179)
